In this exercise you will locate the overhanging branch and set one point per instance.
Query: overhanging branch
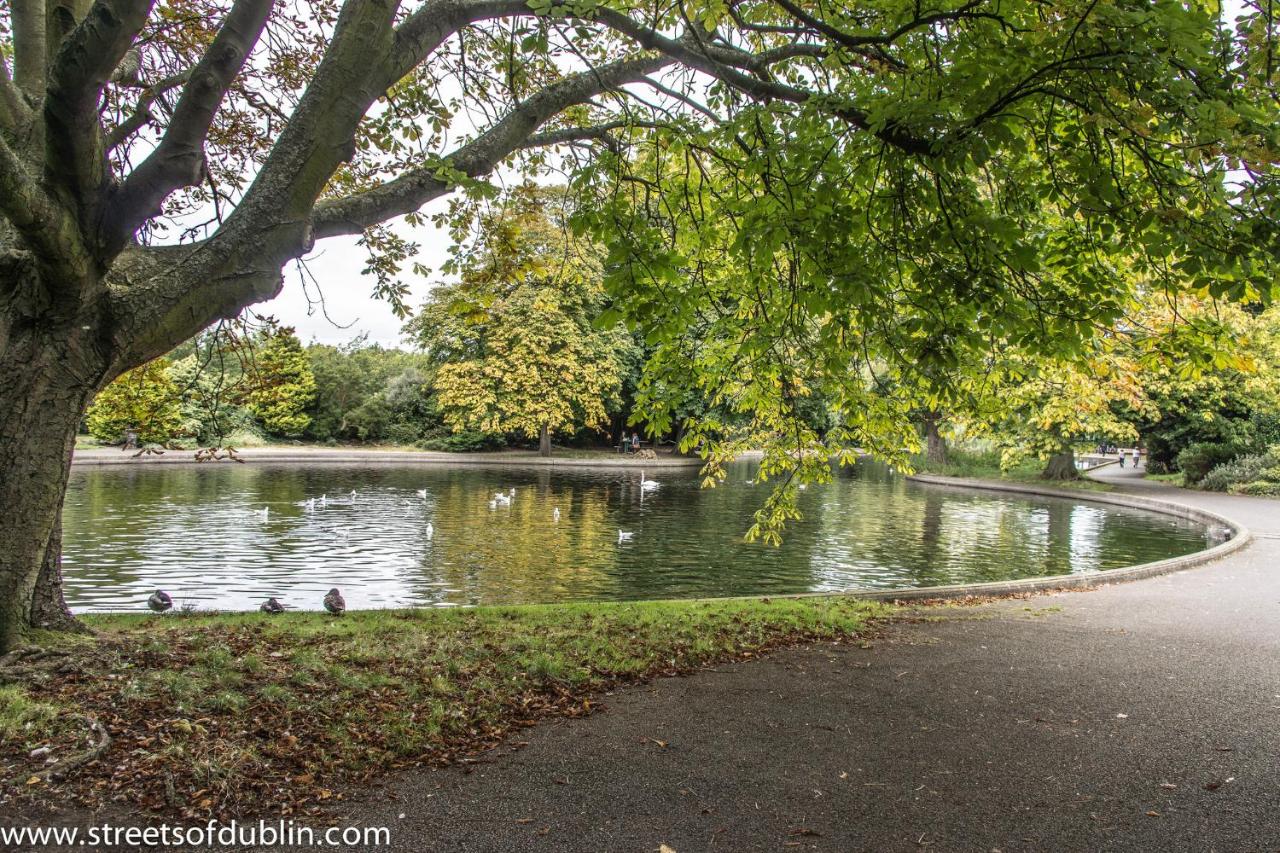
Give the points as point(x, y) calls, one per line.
point(409, 192)
point(178, 161)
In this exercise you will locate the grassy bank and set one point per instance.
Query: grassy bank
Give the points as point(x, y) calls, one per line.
point(247, 714)
point(985, 465)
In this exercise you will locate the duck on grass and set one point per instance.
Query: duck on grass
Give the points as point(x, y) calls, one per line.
point(250, 714)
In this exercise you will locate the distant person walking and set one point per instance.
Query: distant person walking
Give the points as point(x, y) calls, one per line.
point(635, 442)
point(1122, 455)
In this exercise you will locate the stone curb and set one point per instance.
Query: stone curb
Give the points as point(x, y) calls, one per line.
point(1240, 538)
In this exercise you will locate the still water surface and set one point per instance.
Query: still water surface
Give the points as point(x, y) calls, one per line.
point(197, 531)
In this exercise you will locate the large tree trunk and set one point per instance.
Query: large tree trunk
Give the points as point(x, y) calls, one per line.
point(544, 441)
point(48, 605)
point(43, 395)
point(1061, 466)
point(935, 444)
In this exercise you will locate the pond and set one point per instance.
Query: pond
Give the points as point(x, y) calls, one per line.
point(399, 535)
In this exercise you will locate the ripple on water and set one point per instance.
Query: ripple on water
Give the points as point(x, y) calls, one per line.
point(197, 531)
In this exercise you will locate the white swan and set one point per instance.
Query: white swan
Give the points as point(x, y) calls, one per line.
point(422, 493)
point(310, 504)
point(513, 491)
point(324, 500)
point(647, 484)
point(625, 536)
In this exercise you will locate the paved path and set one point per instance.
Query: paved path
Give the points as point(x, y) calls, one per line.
point(1142, 717)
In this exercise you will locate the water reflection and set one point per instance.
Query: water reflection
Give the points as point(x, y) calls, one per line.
point(199, 532)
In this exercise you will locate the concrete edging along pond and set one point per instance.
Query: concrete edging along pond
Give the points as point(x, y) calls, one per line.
point(1240, 538)
point(327, 456)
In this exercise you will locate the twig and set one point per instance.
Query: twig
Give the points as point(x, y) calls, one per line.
point(66, 765)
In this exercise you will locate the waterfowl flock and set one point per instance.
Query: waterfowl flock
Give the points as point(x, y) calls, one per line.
point(333, 602)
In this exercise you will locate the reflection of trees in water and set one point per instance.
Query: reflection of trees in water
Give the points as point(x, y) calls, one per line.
point(518, 552)
point(193, 528)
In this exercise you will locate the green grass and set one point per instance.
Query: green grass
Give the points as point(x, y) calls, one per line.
point(1174, 479)
point(244, 713)
point(985, 465)
point(21, 716)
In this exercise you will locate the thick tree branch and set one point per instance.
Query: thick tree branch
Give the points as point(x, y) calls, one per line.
point(407, 193)
point(15, 115)
point(178, 160)
point(434, 21)
point(29, 50)
point(160, 296)
point(321, 132)
point(83, 65)
point(47, 230)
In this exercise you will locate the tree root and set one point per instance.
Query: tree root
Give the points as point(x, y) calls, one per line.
point(34, 664)
point(71, 762)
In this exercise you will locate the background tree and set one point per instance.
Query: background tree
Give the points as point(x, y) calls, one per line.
point(1052, 409)
point(145, 399)
point(281, 386)
point(516, 341)
point(1227, 406)
point(366, 392)
point(161, 161)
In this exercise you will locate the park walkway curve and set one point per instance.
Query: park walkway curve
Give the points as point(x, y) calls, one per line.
point(1141, 716)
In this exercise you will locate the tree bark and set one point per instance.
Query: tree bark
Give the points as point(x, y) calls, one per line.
point(1061, 466)
point(935, 444)
point(48, 605)
point(44, 391)
point(544, 441)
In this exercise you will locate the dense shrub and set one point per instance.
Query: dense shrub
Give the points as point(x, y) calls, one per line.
point(1197, 460)
point(1260, 488)
point(1253, 471)
point(466, 441)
